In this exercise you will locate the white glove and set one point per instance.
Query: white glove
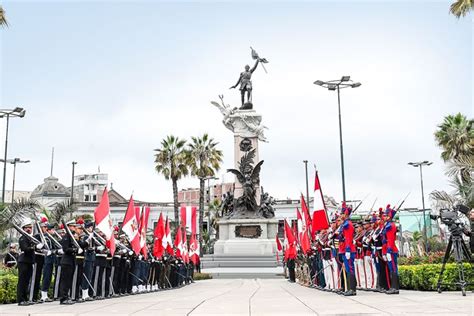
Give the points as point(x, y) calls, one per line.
point(39, 246)
point(384, 257)
point(100, 248)
point(48, 253)
point(123, 251)
point(348, 255)
point(60, 251)
point(79, 251)
point(130, 253)
point(389, 257)
point(140, 257)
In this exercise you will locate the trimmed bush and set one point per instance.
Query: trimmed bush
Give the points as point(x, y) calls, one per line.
point(424, 277)
point(202, 276)
point(8, 284)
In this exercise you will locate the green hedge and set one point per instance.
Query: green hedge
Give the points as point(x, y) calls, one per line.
point(8, 284)
point(202, 276)
point(424, 277)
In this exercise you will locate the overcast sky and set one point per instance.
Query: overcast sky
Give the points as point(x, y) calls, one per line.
point(105, 83)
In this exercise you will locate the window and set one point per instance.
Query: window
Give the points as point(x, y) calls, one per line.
point(86, 198)
point(94, 198)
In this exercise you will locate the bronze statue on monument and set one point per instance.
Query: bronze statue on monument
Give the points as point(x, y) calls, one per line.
point(246, 82)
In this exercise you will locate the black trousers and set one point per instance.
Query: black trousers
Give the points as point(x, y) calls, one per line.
point(25, 271)
point(65, 284)
point(291, 269)
point(77, 279)
point(99, 281)
point(116, 274)
point(124, 276)
point(88, 272)
point(39, 260)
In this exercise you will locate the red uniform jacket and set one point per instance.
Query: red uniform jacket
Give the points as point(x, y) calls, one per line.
point(390, 235)
point(348, 232)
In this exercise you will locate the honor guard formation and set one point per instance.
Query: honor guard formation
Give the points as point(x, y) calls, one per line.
point(348, 256)
point(84, 268)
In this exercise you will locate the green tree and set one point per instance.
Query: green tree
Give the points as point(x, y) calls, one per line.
point(3, 19)
point(461, 7)
point(15, 211)
point(204, 160)
point(456, 137)
point(170, 161)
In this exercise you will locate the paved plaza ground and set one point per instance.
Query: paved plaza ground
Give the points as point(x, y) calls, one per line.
point(258, 297)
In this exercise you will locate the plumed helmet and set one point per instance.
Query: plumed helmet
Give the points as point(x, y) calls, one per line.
point(43, 220)
point(26, 222)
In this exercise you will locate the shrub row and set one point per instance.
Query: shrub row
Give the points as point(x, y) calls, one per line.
point(424, 277)
point(8, 284)
point(433, 257)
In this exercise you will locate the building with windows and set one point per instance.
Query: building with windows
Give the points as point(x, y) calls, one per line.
point(89, 187)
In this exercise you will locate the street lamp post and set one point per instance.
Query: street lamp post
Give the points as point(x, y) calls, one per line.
point(333, 85)
point(74, 163)
point(14, 162)
point(307, 188)
point(420, 164)
point(16, 112)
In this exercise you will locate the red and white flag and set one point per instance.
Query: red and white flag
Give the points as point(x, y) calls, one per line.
point(130, 227)
point(143, 228)
point(188, 218)
point(194, 252)
point(158, 235)
point(178, 243)
point(279, 247)
point(320, 217)
point(185, 247)
point(305, 213)
point(167, 242)
point(103, 221)
point(290, 241)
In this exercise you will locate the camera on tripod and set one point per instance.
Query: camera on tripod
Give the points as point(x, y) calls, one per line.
point(456, 245)
point(452, 219)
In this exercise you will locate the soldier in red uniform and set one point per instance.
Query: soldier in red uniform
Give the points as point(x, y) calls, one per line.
point(349, 250)
point(390, 249)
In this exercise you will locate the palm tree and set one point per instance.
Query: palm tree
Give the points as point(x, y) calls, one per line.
point(204, 160)
point(461, 7)
point(62, 210)
point(456, 137)
point(19, 208)
point(3, 19)
point(170, 161)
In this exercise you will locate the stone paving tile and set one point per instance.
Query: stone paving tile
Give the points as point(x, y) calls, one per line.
point(258, 297)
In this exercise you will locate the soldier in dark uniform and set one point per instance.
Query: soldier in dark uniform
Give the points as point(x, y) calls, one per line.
point(68, 262)
point(25, 264)
point(80, 259)
point(48, 266)
point(87, 240)
point(116, 265)
point(40, 254)
point(11, 257)
point(99, 270)
point(57, 264)
point(124, 275)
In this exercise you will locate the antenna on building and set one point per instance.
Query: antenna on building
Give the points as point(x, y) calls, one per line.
point(98, 169)
point(52, 161)
point(111, 185)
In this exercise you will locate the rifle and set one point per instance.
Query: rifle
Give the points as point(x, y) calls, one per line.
point(353, 212)
point(74, 241)
point(54, 241)
point(372, 207)
point(25, 234)
point(403, 201)
point(40, 232)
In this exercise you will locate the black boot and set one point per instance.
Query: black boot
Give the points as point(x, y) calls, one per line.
point(352, 286)
point(394, 284)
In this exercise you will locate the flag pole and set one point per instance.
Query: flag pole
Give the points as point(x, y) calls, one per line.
point(321, 191)
point(307, 188)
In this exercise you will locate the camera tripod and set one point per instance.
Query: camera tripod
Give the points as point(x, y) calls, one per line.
point(457, 245)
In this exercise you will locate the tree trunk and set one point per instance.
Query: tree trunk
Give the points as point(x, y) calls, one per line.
point(201, 210)
point(176, 203)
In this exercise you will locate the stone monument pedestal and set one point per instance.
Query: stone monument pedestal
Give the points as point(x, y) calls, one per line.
point(247, 237)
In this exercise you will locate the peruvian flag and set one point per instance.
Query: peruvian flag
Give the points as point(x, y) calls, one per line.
point(320, 217)
point(194, 249)
point(130, 227)
point(178, 243)
point(103, 221)
point(303, 235)
point(167, 242)
point(305, 211)
point(188, 218)
point(279, 247)
point(185, 247)
point(158, 234)
point(290, 252)
point(142, 229)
